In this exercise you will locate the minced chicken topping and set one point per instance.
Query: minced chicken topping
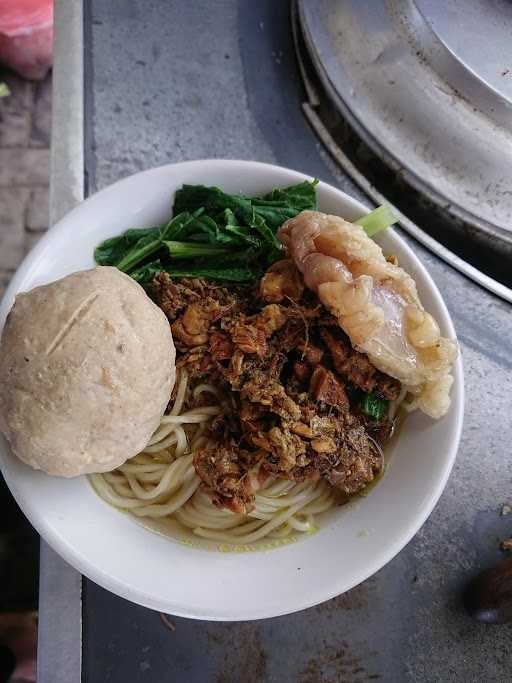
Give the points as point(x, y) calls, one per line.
point(293, 383)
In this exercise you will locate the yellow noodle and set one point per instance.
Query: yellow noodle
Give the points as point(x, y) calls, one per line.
point(180, 392)
point(161, 482)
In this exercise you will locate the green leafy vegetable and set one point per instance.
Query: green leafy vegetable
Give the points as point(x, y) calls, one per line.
point(214, 201)
point(377, 220)
point(272, 209)
point(182, 225)
point(212, 234)
point(4, 90)
point(145, 247)
point(242, 235)
point(233, 274)
point(374, 407)
point(193, 249)
point(301, 196)
point(268, 236)
point(111, 251)
point(147, 272)
point(151, 242)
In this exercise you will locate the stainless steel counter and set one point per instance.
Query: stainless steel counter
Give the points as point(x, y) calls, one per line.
point(59, 649)
point(173, 81)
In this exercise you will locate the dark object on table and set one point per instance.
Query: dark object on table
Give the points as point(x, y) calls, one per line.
point(7, 663)
point(488, 597)
point(19, 557)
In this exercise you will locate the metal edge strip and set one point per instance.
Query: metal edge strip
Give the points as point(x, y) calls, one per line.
point(59, 649)
point(67, 148)
point(405, 223)
point(59, 637)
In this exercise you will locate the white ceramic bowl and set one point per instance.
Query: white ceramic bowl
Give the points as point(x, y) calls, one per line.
point(117, 553)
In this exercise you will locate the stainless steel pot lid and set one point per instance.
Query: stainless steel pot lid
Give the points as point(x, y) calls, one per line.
point(428, 87)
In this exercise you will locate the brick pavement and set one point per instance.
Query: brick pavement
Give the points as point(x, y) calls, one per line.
point(25, 122)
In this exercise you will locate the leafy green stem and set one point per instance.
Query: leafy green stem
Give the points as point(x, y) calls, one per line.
point(193, 249)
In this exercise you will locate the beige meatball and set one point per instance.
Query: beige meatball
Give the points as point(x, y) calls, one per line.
point(87, 366)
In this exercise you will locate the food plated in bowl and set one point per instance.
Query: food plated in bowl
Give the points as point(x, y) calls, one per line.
point(339, 554)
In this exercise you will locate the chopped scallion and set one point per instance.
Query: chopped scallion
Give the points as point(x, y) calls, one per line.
point(377, 220)
point(374, 407)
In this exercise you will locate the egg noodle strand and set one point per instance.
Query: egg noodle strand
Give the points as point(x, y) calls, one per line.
point(161, 482)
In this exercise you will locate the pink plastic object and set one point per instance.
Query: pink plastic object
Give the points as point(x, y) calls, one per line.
point(26, 36)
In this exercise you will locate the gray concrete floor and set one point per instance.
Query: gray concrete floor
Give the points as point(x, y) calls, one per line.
point(25, 122)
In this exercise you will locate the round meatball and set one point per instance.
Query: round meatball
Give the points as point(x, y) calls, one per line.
point(87, 366)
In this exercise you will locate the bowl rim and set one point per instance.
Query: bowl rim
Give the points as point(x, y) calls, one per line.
point(80, 562)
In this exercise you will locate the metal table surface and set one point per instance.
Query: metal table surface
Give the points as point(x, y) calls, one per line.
point(169, 81)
